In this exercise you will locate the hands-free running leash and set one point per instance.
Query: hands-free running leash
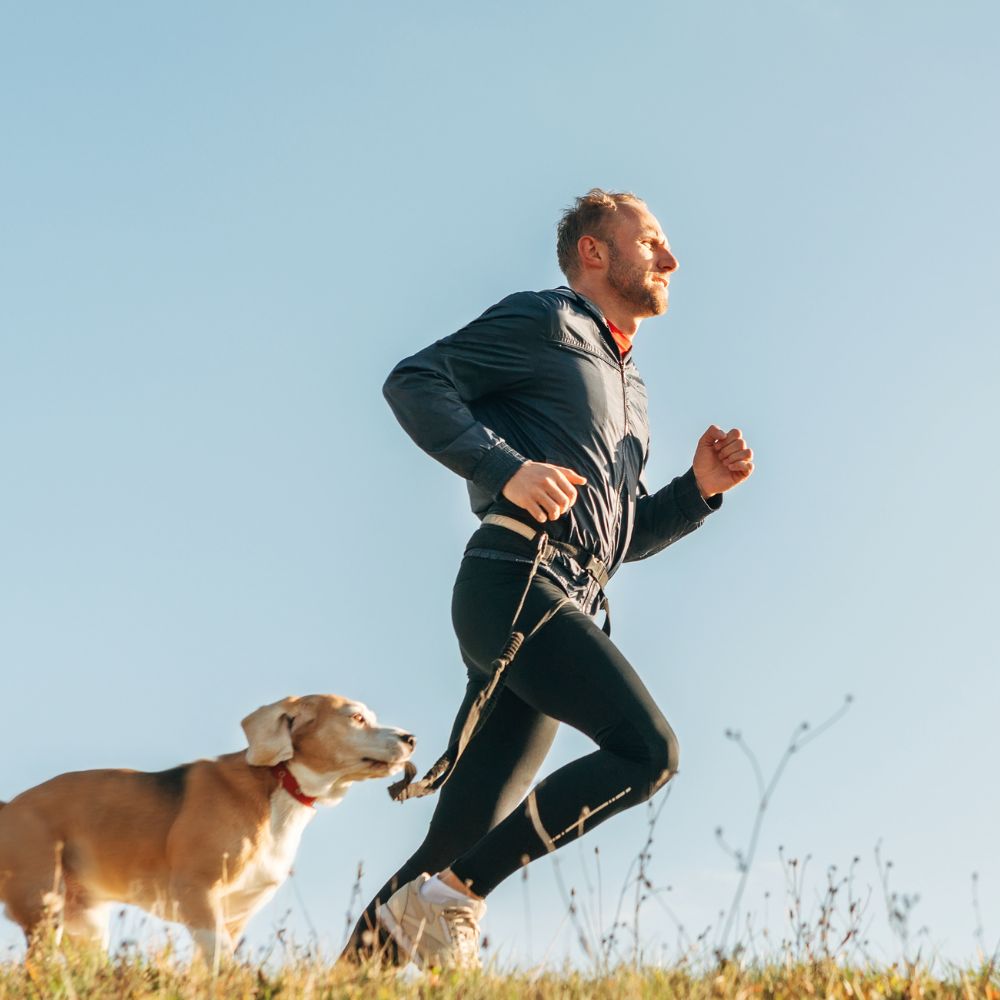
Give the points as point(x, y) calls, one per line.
point(479, 712)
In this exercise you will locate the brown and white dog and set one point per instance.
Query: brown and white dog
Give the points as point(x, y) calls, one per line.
point(205, 844)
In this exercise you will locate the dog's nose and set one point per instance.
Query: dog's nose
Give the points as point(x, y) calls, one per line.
point(409, 739)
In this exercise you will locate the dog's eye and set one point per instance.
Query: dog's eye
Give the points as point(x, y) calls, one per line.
point(359, 718)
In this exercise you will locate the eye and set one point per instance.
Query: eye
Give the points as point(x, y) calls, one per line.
point(358, 718)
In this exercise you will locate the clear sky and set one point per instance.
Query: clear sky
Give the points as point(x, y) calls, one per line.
point(221, 226)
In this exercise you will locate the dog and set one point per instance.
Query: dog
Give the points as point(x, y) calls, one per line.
point(205, 844)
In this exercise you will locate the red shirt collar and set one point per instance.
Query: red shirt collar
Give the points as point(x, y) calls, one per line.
point(622, 339)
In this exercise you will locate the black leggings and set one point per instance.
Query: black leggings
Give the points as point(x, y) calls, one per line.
point(483, 827)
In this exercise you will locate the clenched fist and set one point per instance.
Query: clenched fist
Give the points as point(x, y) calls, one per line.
point(721, 461)
point(545, 491)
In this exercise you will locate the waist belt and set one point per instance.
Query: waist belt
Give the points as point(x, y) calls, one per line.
point(597, 570)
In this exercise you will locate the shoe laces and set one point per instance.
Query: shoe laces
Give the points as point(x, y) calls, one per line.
point(463, 927)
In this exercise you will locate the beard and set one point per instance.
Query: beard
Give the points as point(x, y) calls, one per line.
point(629, 281)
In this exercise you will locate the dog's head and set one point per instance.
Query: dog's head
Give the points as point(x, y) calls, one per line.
point(329, 735)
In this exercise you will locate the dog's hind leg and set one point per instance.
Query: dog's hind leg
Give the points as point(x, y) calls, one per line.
point(34, 889)
point(84, 918)
point(90, 925)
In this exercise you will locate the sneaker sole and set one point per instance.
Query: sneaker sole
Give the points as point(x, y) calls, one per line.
point(395, 928)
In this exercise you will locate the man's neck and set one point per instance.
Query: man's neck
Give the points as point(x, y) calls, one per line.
point(612, 307)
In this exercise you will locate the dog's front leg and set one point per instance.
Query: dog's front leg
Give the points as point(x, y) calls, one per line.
point(214, 945)
point(200, 911)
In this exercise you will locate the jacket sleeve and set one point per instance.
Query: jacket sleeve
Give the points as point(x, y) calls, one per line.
point(431, 392)
point(663, 517)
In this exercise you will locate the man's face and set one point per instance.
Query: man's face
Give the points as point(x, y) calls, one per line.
point(639, 260)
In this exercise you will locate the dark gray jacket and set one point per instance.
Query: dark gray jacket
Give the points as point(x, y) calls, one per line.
point(538, 376)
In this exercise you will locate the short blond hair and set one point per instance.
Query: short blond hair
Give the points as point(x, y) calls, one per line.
point(588, 216)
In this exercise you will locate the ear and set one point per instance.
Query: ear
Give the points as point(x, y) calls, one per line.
point(270, 729)
point(592, 253)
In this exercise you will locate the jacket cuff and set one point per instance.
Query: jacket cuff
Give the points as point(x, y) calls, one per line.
point(497, 466)
point(690, 501)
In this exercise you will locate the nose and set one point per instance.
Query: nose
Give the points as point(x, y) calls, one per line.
point(409, 739)
point(668, 262)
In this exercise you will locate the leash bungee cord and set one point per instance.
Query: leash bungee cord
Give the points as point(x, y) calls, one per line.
point(482, 707)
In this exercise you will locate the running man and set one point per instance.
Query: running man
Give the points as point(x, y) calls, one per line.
point(540, 407)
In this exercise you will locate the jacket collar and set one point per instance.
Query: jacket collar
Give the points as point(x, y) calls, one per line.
point(592, 309)
point(586, 303)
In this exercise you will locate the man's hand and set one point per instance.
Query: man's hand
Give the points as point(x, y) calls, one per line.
point(721, 461)
point(545, 491)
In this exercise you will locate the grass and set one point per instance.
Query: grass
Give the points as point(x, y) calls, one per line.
point(74, 974)
point(825, 952)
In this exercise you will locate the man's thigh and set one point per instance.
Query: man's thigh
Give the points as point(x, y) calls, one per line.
point(569, 670)
point(573, 672)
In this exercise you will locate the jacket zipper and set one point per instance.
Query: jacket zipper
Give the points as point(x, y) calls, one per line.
point(616, 519)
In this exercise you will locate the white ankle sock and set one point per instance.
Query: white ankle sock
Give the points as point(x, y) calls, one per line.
point(436, 891)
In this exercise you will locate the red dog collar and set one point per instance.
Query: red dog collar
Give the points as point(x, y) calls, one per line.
point(290, 785)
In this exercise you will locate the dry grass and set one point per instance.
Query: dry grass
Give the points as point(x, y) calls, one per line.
point(48, 973)
point(823, 954)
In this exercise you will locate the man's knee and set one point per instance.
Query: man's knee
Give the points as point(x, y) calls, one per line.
point(664, 760)
point(656, 750)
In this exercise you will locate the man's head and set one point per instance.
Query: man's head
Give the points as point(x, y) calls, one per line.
point(610, 245)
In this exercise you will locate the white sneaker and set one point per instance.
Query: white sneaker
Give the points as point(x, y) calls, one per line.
point(433, 934)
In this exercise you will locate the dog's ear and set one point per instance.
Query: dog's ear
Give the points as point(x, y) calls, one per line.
point(270, 729)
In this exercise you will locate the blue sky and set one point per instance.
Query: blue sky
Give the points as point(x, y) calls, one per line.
point(223, 225)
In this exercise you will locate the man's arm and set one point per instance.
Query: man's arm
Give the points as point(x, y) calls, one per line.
point(664, 517)
point(430, 392)
point(721, 461)
point(430, 395)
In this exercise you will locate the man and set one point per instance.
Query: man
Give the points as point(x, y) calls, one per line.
point(539, 405)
